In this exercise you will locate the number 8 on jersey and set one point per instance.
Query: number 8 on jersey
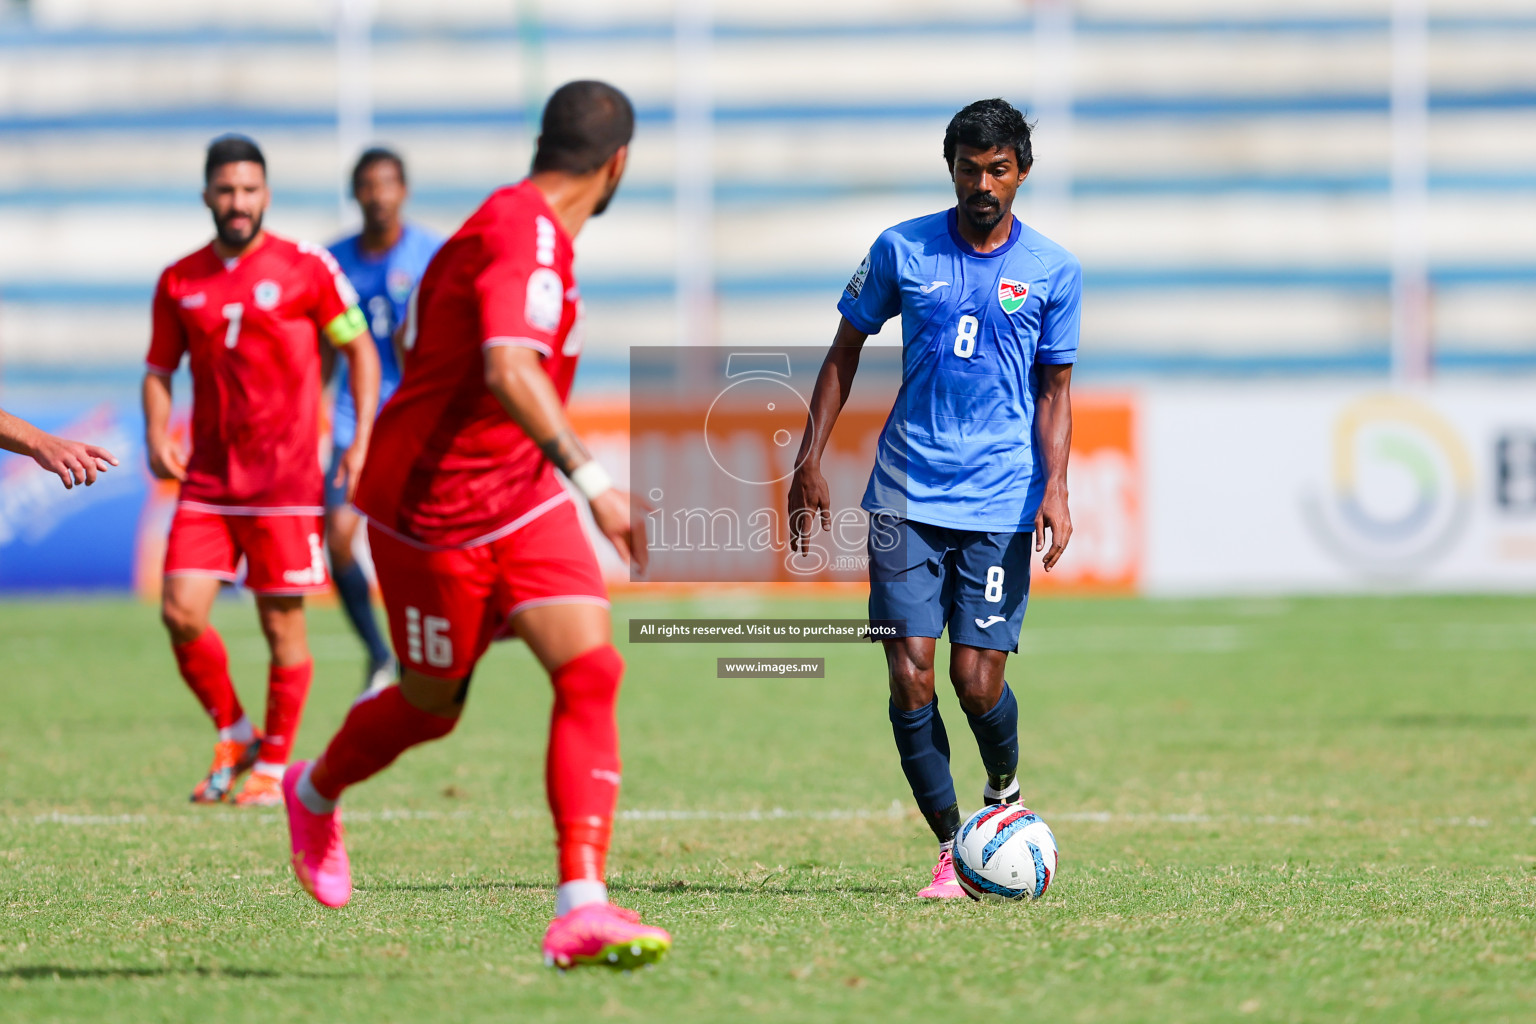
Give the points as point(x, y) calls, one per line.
point(965, 337)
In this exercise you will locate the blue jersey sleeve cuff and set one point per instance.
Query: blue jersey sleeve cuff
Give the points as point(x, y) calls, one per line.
point(1056, 358)
point(845, 306)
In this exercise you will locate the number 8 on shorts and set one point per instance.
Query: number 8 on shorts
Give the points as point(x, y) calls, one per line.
point(994, 591)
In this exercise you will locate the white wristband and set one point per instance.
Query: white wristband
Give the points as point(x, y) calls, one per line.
point(591, 479)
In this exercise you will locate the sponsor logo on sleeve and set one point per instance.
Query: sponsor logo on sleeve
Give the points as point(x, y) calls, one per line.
point(856, 284)
point(546, 299)
point(1011, 295)
point(197, 300)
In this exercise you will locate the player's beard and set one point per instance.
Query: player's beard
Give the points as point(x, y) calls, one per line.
point(236, 240)
point(602, 204)
point(983, 218)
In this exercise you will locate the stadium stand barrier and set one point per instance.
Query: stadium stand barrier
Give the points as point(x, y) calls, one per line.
point(1228, 198)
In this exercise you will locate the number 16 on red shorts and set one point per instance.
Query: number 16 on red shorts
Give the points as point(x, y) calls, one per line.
point(446, 606)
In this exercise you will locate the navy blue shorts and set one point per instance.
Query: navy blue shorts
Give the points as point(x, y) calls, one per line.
point(930, 577)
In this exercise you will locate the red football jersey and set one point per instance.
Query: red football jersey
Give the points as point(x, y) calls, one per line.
point(251, 328)
point(447, 466)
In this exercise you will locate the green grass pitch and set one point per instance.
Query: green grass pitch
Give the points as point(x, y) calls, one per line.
point(1268, 810)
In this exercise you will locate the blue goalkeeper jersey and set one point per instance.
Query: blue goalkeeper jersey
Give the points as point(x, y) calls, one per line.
point(384, 285)
point(959, 448)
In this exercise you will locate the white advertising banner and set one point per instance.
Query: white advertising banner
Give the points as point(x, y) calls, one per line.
point(1300, 487)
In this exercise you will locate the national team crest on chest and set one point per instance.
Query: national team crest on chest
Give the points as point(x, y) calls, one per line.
point(398, 282)
point(1011, 295)
point(267, 294)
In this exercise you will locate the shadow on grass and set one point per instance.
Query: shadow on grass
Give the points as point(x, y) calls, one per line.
point(1458, 721)
point(61, 972)
point(769, 886)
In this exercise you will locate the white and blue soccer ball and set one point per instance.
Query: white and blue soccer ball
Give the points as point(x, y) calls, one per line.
point(1005, 852)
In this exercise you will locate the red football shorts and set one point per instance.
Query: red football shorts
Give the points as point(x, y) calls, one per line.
point(446, 606)
point(283, 554)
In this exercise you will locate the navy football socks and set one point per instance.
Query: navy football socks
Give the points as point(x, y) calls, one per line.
point(924, 748)
point(997, 737)
point(352, 585)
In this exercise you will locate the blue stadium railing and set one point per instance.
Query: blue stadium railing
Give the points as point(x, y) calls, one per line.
point(1368, 357)
point(1087, 108)
point(19, 33)
point(769, 284)
point(748, 193)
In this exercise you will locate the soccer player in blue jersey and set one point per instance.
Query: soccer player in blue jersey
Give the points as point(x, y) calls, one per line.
point(971, 467)
point(384, 262)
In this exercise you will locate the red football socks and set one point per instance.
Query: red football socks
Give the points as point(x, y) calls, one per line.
point(581, 772)
point(287, 689)
point(204, 664)
point(378, 729)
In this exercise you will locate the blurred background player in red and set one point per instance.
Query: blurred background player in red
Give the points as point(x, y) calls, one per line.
point(250, 311)
point(474, 537)
point(383, 261)
point(75, 462)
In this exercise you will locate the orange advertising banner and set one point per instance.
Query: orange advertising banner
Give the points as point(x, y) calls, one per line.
point(1104, 482)
point(1104, 497)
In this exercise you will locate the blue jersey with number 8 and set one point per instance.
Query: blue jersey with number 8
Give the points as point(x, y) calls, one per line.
point(959, 448)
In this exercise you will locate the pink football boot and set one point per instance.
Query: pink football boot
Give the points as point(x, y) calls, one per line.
point(319, 850)
point(604, 935)
point(943, 886)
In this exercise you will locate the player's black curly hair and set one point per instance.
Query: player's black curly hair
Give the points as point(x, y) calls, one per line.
point(375, 155)
point(232, 149)
point(986, 124)
point(584, 124)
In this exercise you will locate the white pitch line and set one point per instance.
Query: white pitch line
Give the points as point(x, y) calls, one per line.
point(774, 814)
point(894, 812)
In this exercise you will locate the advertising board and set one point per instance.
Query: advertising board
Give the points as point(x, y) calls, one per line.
point(1311, 488)
point(1210, 490)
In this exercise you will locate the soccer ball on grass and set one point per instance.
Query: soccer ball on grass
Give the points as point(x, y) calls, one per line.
point(1005, 852)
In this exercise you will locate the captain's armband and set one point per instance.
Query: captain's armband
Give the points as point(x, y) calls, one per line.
point(347, 327)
